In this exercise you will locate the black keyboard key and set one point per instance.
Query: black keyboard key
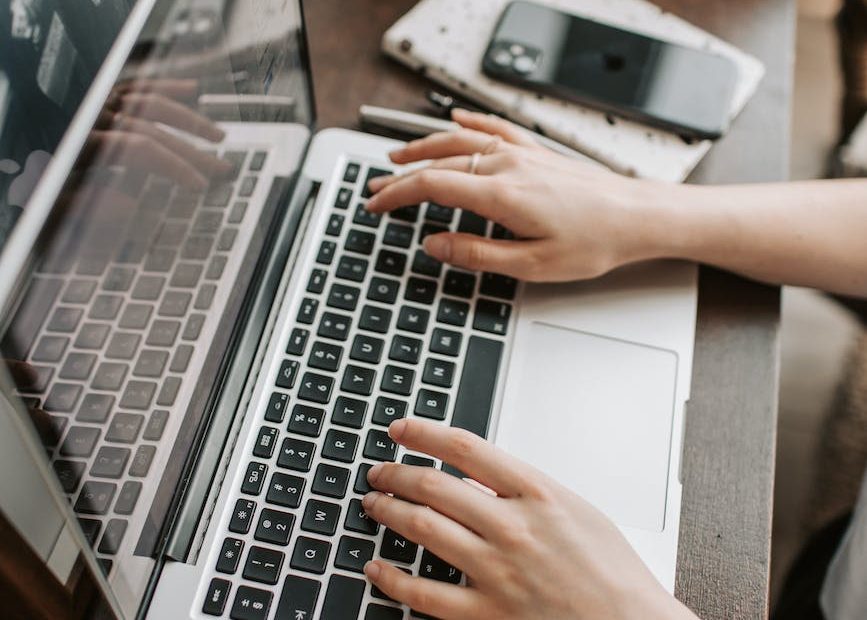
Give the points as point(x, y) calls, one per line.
point(439, 373)
point(50, 349)
point(163, 333)
point(438, 213)
point(379, 446)
point(92, 336)
point(320, 517)
point(496, 285)
point(360, 242)
point(446, 342)
point(95, 408)
point(405, 349)
point(306, 420)
point(263, 565)
point(242, 516)
point(349, 412)
point(373, 173)
point(453, 312)
point(397, 380)
point(358, 521)
point(298, 598)
point(352, 172)
point(265, 442)
point(335, 225)
point(251, 604)
point(109, 462)
point(344, 198)
point(316, 283)
point(326, 253)
point(156, 424)
point(288, 374)
point(398, 235)
point(420, 290)
point(459, 284)
point(128, 497)
point(330, 481)
point(277, 407)
point(387, 410)
point(492, 316)
point(396, 547)
point(353, 553)
point(406, 214)
point(248, 186)
point(112, 538)
point(383, 289)
point(91, 529)
point(285, 490)
point(257, 163)
point(343, 297)
point(425, 265)
point(433, 567)
point(363, 217)
point(375, 319)
point(274, 527)
point(334, 326)
point(124, 428)
point(169, 391)
point(307, 311)
point(65, 320)
point(77, 366)
point(340, 446)
point(413, 319)
point(297, 342)
point(95, 498)
point(430, 229)
point(230, 556)
point(417, 461)
point(80, 441)
point(296, 454)
point(475, 397)
point(311, 556)
point(35, 307)
point(381, 612)
point(342, 598)
point(501, 232)
point(316, 388)
point(473, 224)
point(69, 474)
point(325, 356)
point(121, 346)
point(432, 404)
point(391, 263)
point(62, 397)
point(216, 597)
point(362, 486)
point(254, 479)
point(358, 380)
point(366, 349)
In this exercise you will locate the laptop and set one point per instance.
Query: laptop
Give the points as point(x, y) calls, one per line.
point(202, 370)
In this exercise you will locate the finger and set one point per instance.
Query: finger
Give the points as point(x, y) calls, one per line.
point(205, 162)
point(489, 123)
point(46, 430)
point(124, 148)
point(442, 600)
point(446, 494)
point(517, 259)
point(156, 107)
point(444, 537)
point(487, 165)
point(444, 144)
point(445, 187)
point(477, 458)
point(176, 88)
point(23, 374)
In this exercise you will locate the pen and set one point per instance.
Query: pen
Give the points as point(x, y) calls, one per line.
point(421, 125)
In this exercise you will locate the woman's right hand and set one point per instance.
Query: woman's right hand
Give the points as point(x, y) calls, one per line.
point(572, 220)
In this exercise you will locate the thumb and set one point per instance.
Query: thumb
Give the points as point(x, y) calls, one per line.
point(474, 253)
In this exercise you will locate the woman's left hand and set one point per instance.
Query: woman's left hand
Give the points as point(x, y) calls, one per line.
point(533, 550)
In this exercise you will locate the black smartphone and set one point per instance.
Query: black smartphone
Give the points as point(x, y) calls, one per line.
point(681, 89)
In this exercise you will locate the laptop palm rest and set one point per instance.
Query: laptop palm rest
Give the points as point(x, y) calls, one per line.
point(596, 413)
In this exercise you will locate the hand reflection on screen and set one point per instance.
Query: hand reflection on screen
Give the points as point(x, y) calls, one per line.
point(134, 130)
point(25, 376)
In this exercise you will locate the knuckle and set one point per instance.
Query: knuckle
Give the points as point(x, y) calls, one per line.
point(428, 482)
point(420, 525)
point(476, 255)
point(425, 179)
point(462, 446)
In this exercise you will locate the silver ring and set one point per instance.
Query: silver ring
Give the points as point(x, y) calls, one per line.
point(474, 162)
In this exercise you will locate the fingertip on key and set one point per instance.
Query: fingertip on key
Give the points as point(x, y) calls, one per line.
point(396, 429)
point(372, 570)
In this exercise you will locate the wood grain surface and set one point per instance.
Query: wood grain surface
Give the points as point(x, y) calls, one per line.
point(724, 554)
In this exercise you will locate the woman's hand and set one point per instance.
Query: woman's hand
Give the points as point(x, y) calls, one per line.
point(572, 220)
point(533, 550)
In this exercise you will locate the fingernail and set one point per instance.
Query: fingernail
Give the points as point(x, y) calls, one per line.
point(396, 429)
point(371, 205)
point(439, 246)
point(370, 499)
point(373, 473)
point(372, 570)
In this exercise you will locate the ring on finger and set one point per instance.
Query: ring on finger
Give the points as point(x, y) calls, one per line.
point(474, 162)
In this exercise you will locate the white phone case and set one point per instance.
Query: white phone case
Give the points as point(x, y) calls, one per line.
point(446, 40)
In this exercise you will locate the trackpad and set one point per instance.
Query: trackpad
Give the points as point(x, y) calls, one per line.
point(596, 414)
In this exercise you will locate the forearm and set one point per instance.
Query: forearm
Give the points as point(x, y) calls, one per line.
point(810, 233)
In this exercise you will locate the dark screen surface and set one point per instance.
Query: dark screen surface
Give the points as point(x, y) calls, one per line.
point(669, 85)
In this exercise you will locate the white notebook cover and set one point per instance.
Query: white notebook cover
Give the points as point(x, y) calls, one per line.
point(446, 39)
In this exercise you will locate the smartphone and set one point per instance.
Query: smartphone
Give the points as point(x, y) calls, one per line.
point(681, 89)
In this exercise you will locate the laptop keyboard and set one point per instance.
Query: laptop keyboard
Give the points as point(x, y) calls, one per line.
point(381, 332)
point(116, 340)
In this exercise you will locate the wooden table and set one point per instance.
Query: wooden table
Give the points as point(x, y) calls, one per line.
point(724, 554)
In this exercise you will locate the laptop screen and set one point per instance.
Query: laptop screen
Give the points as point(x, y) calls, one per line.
point(176, 129)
